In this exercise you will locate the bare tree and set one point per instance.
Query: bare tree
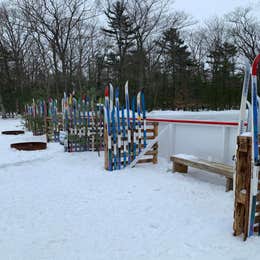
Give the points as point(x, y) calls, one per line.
point(197, 46)
point(14, 42)
point(245, 32)
point(56, 21)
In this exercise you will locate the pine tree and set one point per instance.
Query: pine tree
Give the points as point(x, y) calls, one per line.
point(176, 63)
point(121, 30)
point(223, 78)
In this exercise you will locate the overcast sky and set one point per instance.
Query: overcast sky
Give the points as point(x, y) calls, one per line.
point(203, 9)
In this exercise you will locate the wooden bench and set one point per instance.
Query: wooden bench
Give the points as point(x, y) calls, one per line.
point(182, 161)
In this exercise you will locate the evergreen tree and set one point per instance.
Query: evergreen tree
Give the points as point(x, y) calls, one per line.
point(176, 64)
point(122, 31)
point(223, 78)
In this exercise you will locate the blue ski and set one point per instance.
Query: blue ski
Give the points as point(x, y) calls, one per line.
point(109, 142)
point(255, 152)
point(139, 122)
point(118, 130)
point(144, 117)
point(133, 127)
point(114, 139)
point(128, 128)
point(124, 134)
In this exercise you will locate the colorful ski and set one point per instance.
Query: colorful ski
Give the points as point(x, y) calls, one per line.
point(114, 139)
point(118, 130)
point(88, 131)
point(124, 135)
point(144, 117)
point(128, 128)
point(93, 124)
point(242, 115)
point(109, 144)
point(255, 152)
point(139, 120)
point(111, 97)
point(133, 127)
point(100, 126)
point(84, 127)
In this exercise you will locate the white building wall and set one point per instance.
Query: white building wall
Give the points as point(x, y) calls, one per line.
point(210, 142)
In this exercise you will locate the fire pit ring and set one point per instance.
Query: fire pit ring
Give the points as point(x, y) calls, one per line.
point(14, 132)
point(29, 146)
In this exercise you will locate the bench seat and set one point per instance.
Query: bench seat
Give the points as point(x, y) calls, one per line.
point(181, 162)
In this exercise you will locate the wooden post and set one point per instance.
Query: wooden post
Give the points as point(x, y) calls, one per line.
point(242, 186)
point(178, 167)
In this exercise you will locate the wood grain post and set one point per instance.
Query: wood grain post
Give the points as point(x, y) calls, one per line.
point(242, 186)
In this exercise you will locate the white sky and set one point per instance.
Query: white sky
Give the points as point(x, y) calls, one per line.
point(203, 9)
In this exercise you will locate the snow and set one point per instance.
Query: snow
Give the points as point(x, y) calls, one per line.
point(187, 156)
point(57, 205)
point(247, 134)
point(229, 115)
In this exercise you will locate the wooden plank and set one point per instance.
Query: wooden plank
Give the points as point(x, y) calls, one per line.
point(257, 219)
point(214, 167)
point(258, 208)
point(256, 228)
point(150, 137)
point(148, 147)
point(145, 160)
point(148, 130)
point(152, 152)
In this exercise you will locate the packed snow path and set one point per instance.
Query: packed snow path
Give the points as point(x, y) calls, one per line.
point(65, 206)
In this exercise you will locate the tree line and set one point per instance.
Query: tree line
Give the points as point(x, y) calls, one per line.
point(51, 46)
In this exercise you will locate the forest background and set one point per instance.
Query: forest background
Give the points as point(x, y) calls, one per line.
point(51, 46)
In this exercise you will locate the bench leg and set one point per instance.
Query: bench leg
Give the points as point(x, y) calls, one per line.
point(178, 167)
point(229, 184)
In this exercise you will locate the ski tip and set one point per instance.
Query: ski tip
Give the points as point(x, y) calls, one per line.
point(106, 91)
point(139, 96)
point(126, 84)
point(247, 65)
point(255, 65)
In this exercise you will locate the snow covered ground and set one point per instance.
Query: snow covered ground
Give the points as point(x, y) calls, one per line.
point(57, 205)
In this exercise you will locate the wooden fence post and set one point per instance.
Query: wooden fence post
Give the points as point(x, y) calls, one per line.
point(242, 186)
